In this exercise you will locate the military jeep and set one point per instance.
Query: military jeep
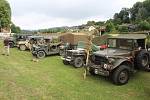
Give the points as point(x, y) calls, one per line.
point(30, 40)
point(125, 54)
point(13, 40)
point(77, 57)
point(66, 46)
point(50, 47)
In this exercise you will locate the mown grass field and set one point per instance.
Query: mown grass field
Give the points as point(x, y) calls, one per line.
point(49, 79)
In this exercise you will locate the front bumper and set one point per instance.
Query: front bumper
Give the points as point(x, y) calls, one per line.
point(67, 59)
point(99, 70)
point(17, 45)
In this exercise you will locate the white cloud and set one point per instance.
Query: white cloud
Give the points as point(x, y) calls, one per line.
point(33, 14)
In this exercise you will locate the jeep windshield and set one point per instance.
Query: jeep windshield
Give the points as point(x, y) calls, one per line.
point(126, 44)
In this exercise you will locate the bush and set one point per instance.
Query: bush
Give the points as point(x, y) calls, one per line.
point(144, 25)
point(123, 29)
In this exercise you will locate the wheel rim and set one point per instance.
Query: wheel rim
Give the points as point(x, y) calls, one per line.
point(145, 60)
point(11, 45)
point(41, 54)
point(123, 77)
point(148, 67)
point(22, 47)
point(78, 63)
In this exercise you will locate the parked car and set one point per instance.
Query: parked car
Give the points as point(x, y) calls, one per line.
point(125, 54)
point(50, 47)
point(77, 57)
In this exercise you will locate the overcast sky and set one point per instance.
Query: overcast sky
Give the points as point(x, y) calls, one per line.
point(39, 14)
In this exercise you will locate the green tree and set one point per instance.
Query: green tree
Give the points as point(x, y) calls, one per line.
point(134, 10)
point(99, 23)
point(144, 25)
point(117, 20)
point(15, 29)
point(91, 23)
point(142, 14)
point(110, 27)
point(5, 14)
point(123, 29)
point(122, 16)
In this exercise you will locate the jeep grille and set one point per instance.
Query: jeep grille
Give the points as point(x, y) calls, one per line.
point(99, 60)
point(68, 53)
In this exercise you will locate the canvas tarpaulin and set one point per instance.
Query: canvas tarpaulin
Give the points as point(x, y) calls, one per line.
point(74, 38)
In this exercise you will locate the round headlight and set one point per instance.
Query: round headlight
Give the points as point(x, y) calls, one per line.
point(105, 66)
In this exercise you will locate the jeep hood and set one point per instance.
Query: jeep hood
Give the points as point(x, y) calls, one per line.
point(110, 52)
point(77, 50)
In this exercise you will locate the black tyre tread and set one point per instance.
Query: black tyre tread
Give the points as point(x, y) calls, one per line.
point(41, 57)
point(75, 62)
point(20, 47)
point(139, 59)
point(11, 44)
point(117, 71)
point(65, 62)
point(147, 69)
point(91, 71)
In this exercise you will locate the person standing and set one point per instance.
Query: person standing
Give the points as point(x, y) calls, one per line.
point(6, 47)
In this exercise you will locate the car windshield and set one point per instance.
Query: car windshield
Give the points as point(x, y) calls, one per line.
point(120, 43)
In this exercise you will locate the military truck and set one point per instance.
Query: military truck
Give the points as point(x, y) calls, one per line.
point(70, 41)
point(50, 47)
point(77, 57)
point(125, 54)
point(30, 40)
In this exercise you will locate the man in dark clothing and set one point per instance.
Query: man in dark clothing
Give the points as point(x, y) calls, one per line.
point(6, 47)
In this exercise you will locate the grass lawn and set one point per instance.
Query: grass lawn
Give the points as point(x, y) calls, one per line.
point(49, 79)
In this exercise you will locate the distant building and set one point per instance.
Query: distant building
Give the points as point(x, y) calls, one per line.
point(102, 30)
point(5, 30)
point(91, 28)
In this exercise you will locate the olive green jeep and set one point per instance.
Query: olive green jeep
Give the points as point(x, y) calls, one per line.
point(77, 56)
point(50, 47)
point(125, 54)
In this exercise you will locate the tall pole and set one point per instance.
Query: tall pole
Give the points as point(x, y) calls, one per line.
point(87, 50)
point(0, 26)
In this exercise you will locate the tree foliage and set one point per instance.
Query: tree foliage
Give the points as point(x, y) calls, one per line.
point(138, 15)
point(53, 30)
point(15, 29)
point(144, 25)
point(110, 27)
point(5, 14)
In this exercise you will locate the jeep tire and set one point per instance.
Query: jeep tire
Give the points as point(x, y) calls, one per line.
point(143, 60)
point(78, 62)
point(40, 54)
point(11, 44)
point(65, 62)
point(147, 68)
point(91, 71)
point(120, 76)
point(22, 47)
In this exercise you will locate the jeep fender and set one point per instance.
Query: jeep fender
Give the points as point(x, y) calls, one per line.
point(124, 61)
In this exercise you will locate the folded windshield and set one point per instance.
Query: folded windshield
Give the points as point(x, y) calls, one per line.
point(120, 43)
